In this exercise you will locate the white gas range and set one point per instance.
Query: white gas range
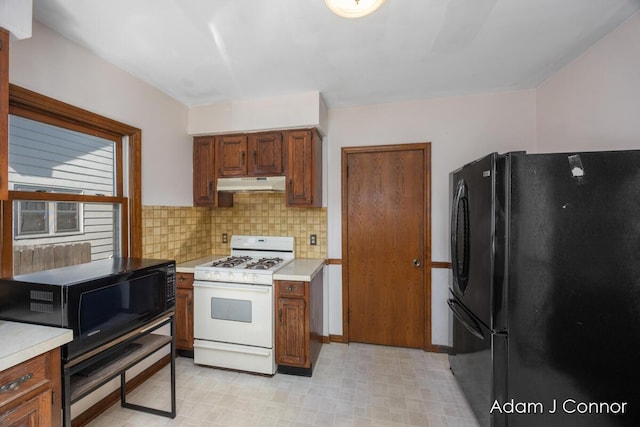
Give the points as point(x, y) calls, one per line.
point(233, 304)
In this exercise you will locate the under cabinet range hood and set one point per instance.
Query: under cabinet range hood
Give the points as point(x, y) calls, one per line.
point(252, 184)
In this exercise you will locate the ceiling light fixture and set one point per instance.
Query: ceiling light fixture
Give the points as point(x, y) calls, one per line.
point(353, 8)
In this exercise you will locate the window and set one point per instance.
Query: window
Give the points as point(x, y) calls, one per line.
point(67, 217)
point(37, 219)
point(74, 177)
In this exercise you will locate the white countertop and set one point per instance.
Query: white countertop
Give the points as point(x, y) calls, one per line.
point(300, 269)
point(20, 342)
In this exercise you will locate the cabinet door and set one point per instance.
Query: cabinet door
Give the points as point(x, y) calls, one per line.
point(184, 311)
point(292, 333)
point(32, 413)
point(203, 171)
point(265, 150)
point(184, 319)
point(304, 166)
point(232, 155)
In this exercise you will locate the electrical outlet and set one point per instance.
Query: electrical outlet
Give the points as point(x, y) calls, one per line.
point(313, 240)
point(225, 239)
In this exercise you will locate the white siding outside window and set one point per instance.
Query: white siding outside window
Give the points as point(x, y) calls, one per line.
point(52, 159)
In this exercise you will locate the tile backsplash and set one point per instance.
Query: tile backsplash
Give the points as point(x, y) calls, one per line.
point(173, 232)
point(185, 233)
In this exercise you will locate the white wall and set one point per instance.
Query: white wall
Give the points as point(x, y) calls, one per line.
point(54, 66)
point(278, 112)
point(593, 103)
point(15, 16)
point(460, 129)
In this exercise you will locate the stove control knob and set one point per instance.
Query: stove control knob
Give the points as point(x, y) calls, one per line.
point(245, 277)
point(207, 276)
point(216, 276)
point(230, 276)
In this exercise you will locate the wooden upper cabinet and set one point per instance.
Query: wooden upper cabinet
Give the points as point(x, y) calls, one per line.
point(296, 154)
point(231, 155)
point(304, 168)
point(266, 151)
point(4, 114)
point(203, 171)
point(258, 154)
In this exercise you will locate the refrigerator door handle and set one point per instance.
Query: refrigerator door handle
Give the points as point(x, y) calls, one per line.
point(464, 318)
point(460, 224)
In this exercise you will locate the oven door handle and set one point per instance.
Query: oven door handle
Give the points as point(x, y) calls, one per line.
point(233, 287)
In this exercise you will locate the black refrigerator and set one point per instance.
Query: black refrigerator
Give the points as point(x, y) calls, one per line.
point(545, 288)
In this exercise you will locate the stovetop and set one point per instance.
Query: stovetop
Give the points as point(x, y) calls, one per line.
point(244, 263)
point(248, 270)
point(253, 260)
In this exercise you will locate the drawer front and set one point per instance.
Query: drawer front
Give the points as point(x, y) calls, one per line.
point(23, 378)
point(288, 288)
point(184, 280)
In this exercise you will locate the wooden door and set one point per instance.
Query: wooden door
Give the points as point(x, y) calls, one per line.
point(35, 412)
point(292, 333)
point(203, 171)
point(184, 312)
point(304, 168)
point(386, 245)
point(231, 156)
point(265, 150)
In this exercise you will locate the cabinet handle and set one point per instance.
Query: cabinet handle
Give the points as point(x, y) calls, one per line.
point(243, 153)
point(255, 157)
point(291, 288)
point(210, 188)
point(15, 384)
point(181, 278)
point(280, 315)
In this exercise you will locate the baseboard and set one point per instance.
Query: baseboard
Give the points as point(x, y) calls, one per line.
point(114, 397)
point(443, 349)
point(431, 348)
point(336, 338)
point(185, 353)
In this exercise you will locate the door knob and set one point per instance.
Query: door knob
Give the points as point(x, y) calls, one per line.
point(416, 263)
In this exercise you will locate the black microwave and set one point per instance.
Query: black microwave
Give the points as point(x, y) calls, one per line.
point(100, 301)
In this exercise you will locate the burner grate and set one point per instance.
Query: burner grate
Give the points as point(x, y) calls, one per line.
point(231, 261)
point(264, 263)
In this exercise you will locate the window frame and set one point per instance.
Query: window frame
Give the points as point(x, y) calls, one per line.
point(34, 106)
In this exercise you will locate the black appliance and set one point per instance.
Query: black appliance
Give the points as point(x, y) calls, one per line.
point(545, 288)
point(99, 301)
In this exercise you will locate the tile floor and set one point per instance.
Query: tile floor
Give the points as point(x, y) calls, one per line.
point(352, 385)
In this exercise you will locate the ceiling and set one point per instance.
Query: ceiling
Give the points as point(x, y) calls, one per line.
point(213, 51)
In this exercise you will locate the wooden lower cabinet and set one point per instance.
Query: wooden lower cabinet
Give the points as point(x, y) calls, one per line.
point(298, 325)
point(293, 334)
point(31, 392)
point(184, 314)
point(35, 412)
